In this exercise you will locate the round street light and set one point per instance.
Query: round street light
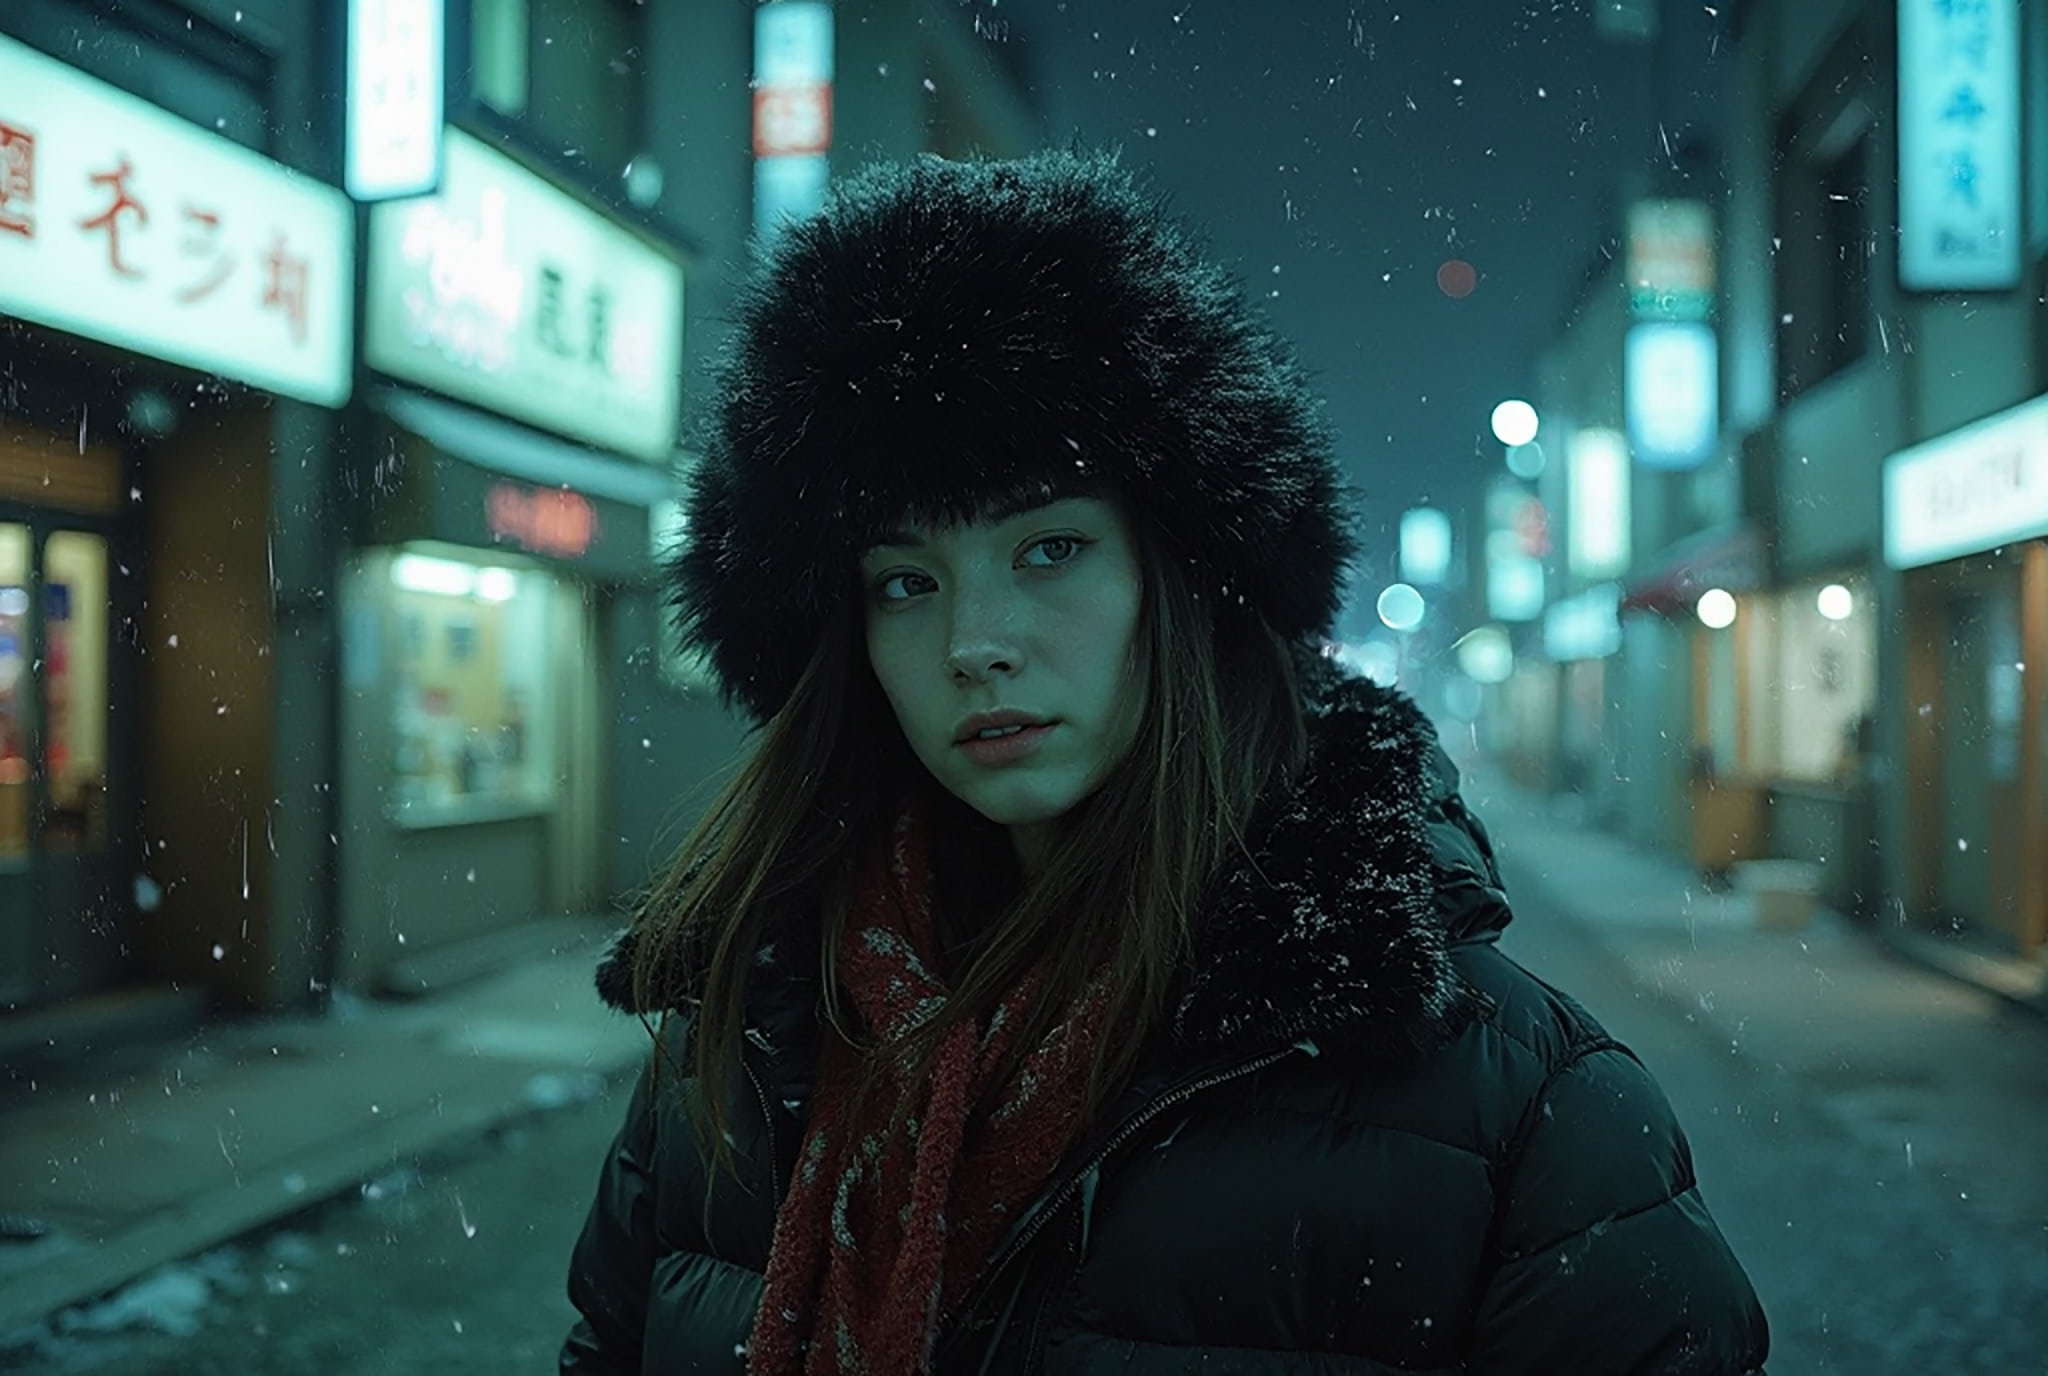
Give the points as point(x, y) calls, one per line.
point(1514, 422)
point(1717, 609)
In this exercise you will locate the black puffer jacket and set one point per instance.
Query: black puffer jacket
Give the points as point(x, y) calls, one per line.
point(1372, 1144)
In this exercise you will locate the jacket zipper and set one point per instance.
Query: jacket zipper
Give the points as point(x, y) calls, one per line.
point(1123, 1134)
point(767, 1117)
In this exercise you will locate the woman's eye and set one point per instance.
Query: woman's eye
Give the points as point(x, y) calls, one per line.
point(888, 589)
point(1058, 549)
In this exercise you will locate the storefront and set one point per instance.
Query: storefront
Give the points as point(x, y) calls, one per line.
point(1808, 656)
point(170, 303)
point(1965, 520)
point(1521, 727)
point(1699, 592)
point(1581, 634)
point(507, 505)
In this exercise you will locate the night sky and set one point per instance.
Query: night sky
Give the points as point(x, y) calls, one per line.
point(1336, 154)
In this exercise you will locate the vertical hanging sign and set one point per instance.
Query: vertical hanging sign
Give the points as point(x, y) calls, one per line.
point(395, 99)
point(1670, 262)
point(1959, 145)
point(792, 109)
point(1672, 392)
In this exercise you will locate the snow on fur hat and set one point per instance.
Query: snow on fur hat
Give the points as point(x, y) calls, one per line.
point(948, 338)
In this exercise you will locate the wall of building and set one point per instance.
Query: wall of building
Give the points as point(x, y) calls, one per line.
point(258, 73)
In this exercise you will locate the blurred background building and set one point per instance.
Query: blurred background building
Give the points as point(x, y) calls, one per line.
point(351, 352)
point(1797, 480)
point(349, 359)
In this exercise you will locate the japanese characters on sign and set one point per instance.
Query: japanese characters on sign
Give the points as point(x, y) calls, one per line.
point(1959, 145)
point(503, 290)
point(395, 103)
point(122, 222)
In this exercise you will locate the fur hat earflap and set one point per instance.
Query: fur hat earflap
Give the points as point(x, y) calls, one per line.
point(949, 340)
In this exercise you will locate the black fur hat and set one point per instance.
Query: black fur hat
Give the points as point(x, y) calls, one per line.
point(946, 338)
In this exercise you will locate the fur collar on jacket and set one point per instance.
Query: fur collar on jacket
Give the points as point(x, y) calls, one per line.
point(1340, 932)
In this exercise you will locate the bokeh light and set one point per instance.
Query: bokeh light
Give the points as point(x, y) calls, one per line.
point(1514, 422)
point(1487, 655)
point(1837, 603)
point(1717, 609)
point(1401, 607)
point(1377, 660)
point(1463, 699)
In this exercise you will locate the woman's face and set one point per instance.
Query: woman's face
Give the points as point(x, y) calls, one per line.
point(1034, 616)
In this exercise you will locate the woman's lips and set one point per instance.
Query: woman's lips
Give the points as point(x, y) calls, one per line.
point(1002, 750)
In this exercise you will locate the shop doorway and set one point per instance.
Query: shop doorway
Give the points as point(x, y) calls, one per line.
point(54, 756)
point(1972, 763)
point(1979, 623)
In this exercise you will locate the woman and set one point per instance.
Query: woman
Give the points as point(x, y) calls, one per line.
point(1081, 974)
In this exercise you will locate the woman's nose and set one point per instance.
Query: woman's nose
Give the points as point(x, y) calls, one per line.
point(983, 641)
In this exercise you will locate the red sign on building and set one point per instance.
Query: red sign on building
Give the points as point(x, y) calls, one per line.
point(555, 521)
point(792, 119)
point(17, 181)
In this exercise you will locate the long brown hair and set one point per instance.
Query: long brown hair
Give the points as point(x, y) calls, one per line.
point(1124, 880)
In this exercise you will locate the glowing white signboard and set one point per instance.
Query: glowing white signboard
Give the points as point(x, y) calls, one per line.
point(122, 222)
point(1959, 145)
point(504, 290)
point(1980, 487)
point(394, 97)
point(1597, 504)
point(1671, 375)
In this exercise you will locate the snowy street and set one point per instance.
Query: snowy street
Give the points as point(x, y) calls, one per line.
point(452, 1266)
point(1852, 1119)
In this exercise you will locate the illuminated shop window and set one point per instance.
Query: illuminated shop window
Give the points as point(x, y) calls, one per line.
point(472, 696)
point(73, 711)
point(75, 690)
point(14, 692)
point(1812, 668)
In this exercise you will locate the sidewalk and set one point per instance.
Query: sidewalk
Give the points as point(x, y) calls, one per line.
point(1872, 1037)
point(142, 1158)
point(1620, 888)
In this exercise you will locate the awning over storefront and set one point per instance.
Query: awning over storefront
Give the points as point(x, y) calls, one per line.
point(509, 448)
point(1729, 557)
point(492, 483)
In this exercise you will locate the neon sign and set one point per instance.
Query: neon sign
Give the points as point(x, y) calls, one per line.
point(556, 522)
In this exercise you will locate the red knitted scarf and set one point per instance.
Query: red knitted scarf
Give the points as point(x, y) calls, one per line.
point(877, 1239)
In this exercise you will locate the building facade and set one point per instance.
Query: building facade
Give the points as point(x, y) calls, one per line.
point(176, 312)
point(1855, 690)
point(348, 645)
